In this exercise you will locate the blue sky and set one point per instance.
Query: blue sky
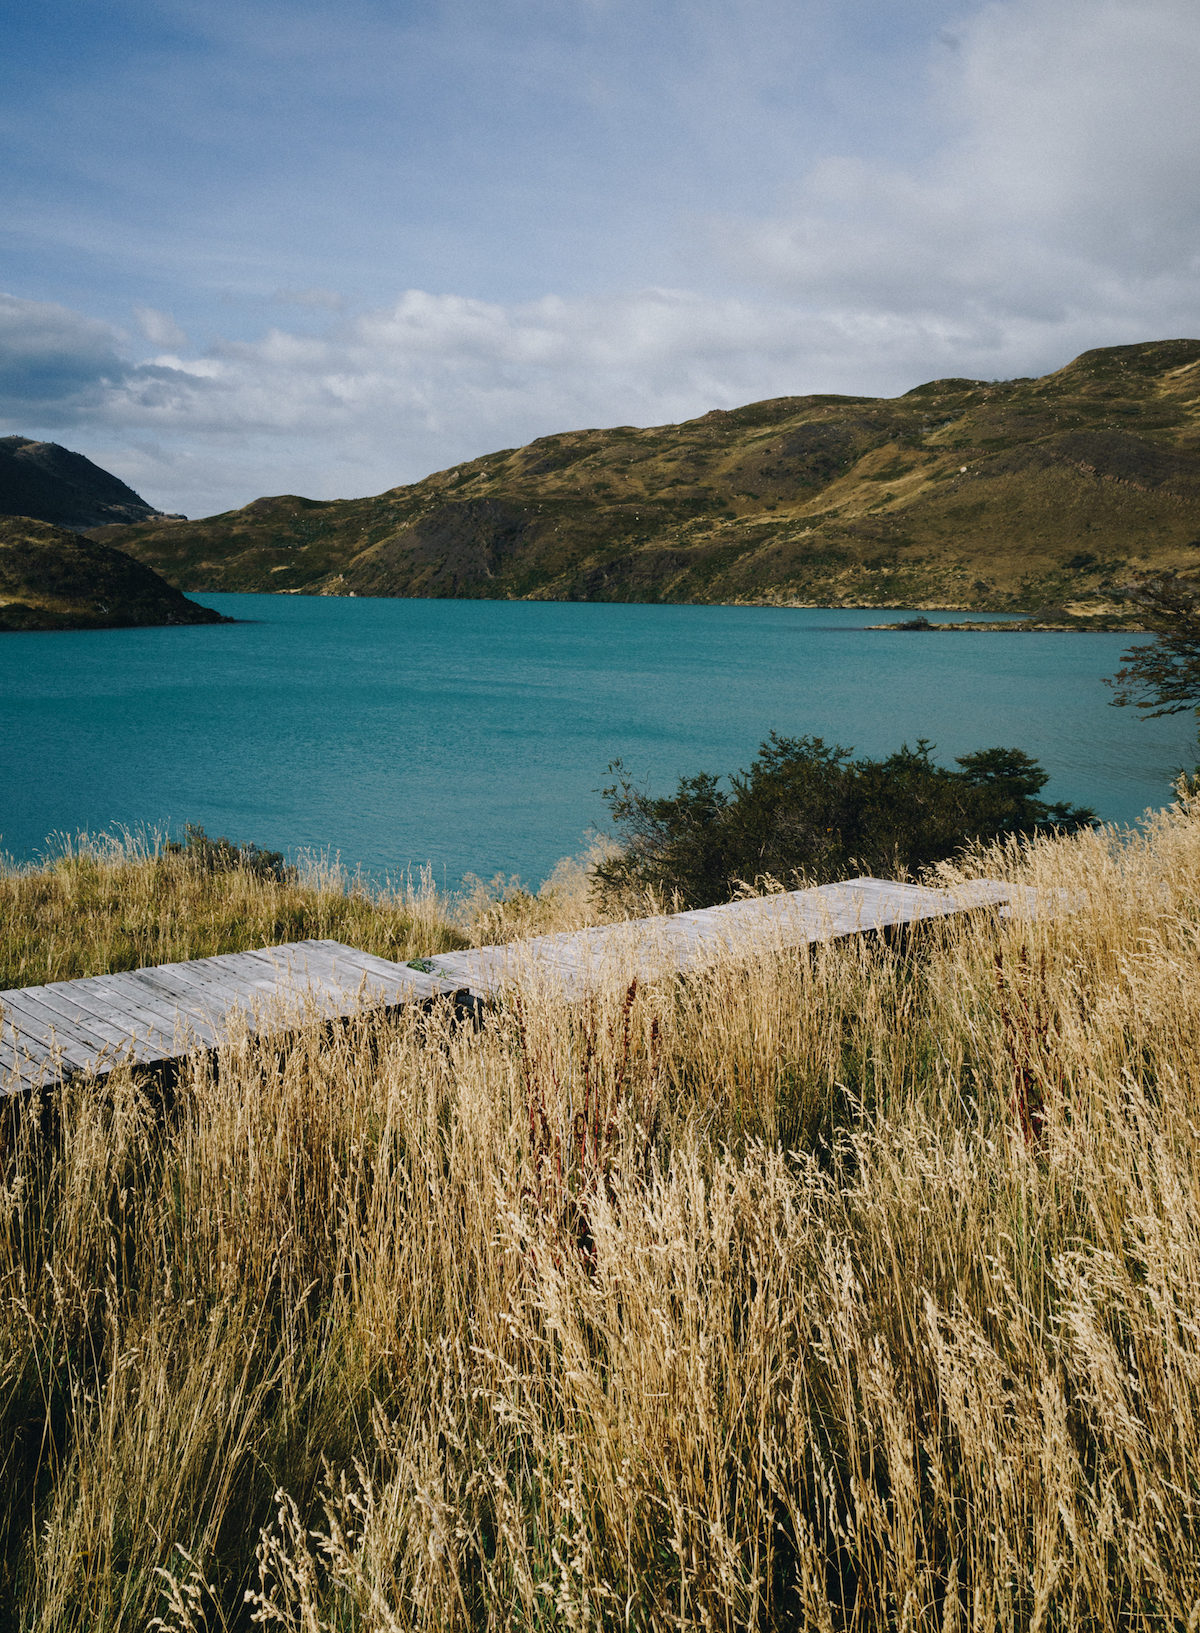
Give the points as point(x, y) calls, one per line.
point(254, 248)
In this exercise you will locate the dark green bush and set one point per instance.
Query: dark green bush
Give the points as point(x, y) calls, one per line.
point(808, 812)
point(221, 855)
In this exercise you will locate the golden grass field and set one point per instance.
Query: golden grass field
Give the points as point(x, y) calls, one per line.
point(852, 1290)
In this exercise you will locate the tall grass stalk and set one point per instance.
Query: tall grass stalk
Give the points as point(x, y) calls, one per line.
point(848, 1290)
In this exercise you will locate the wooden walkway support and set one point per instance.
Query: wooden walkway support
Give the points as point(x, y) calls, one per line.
point(151, 1016)
point(581, 960)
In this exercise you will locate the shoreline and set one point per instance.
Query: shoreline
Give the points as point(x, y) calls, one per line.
point(1018, 626)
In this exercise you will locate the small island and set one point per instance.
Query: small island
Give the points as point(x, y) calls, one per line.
point(1053, 621)
point(54, 579)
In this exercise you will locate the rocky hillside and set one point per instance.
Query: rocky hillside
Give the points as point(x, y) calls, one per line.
point(52, 579)
point(52, 484)
point(1018, 494)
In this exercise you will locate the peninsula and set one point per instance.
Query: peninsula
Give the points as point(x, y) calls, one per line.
point(51, 578)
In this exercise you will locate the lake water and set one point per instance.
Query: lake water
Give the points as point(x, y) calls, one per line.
point(475, 735)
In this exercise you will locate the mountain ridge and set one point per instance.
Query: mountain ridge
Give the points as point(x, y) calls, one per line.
point(989, 495)
point(52, 484)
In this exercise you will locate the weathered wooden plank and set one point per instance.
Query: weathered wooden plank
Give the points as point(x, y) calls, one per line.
point(170, 985)
point(42, 1022)
point(695, 939)
point(396, 982)
point(295, 958)
point(92, 994)
point(152, 1008)
point(318, 982)
point(327, 974)
point(161, 1022)
point(313, 969)
point(158, 1005)
point(307, 983)
point(215, 986)
point(218, 988)
point(163, 1011)
point(226, 982)
point(33, 1018)
point(100, 1021)
point(174, 1000)
point(242, 976)
point(269, 964)
point(78, 1011)
point(392, 977)
point(10, 1030)
point(462, 973)
point(21, 1073)
point(24, 1059)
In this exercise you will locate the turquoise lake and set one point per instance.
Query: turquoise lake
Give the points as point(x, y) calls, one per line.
point(475, 735)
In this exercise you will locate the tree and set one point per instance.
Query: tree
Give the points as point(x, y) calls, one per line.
point(1163, 678)
point(1009, 782)
point(807, 811)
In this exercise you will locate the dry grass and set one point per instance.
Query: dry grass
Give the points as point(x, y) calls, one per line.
point(122, 901)
point(852, 1291)
point(119, 902)
point(503, 910)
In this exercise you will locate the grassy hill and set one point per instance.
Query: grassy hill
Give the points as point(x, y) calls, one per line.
point(1018, 494)
point(55, 485)
point(53, 579)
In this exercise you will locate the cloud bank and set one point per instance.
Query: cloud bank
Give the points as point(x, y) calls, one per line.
point(1065, 184)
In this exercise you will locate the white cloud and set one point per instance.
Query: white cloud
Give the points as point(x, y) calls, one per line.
point(429, 380)
point(1082, 124)
point(393, 393)
point(159, 328)
point(1063, 189)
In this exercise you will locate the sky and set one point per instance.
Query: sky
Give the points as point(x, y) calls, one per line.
point(271, 246)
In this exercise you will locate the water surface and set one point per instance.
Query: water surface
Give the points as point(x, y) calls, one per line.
point(474, 735)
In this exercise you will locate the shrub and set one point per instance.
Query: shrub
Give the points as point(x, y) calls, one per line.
point(807, 811)
point(221, 855)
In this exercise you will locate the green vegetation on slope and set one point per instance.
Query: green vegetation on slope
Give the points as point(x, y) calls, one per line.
point(1009, 495)
point(122, 901)
point(117, 904)
point(52, 579)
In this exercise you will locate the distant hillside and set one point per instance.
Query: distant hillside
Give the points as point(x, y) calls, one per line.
point(52, 579)
point(52, 484)
point(1018, 494)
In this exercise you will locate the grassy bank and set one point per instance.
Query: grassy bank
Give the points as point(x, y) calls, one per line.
point(119, 902)
point(857, 1290)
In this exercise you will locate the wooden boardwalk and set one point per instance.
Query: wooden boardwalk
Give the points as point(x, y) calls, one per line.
point(578, 961)
point(151, 1016)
